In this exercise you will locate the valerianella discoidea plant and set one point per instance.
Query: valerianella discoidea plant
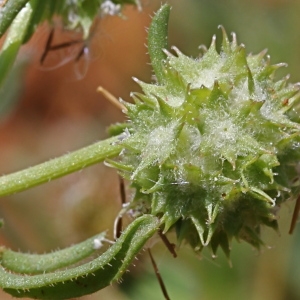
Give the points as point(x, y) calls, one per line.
point(211, 150)
point(212, 147)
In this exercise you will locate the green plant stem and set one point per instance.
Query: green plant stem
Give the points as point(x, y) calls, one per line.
point(60, 166)
point(158, 41)
point(14, 40)
point(9, 12)
point(86, 278)
point(26, 263)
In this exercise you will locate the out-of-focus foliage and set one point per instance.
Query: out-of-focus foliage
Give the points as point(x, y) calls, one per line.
point(20, 19)
point(75, 14)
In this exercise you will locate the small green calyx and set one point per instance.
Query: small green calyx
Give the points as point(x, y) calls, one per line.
point(213, 147)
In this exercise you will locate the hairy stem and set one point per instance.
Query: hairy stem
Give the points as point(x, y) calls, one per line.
point(60, 166)
point(89, 277)
point(26, 263)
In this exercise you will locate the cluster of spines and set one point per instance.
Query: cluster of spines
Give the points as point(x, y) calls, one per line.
point(179, 103)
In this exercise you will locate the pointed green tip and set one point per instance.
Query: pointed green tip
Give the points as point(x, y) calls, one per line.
point(158, 40)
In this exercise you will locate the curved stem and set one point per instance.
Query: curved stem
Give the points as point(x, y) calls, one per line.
point(60, 166)
point(26, 263)
point(88, 277)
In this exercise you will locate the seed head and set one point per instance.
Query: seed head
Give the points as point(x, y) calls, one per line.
point(213, 148)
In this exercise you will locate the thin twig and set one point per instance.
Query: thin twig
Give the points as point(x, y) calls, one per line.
point(118, 226)
point(170, 246)
point(295, 215)
point(47, 46)
point(158, 276)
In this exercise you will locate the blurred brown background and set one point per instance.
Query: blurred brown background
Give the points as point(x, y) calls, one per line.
point(59, 111)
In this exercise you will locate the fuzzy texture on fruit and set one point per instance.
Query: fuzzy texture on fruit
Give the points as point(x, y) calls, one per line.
point(213, 148)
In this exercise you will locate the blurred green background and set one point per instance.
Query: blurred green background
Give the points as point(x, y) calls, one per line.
point(59, 111)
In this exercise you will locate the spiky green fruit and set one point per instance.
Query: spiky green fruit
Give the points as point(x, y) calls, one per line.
point(212, 148)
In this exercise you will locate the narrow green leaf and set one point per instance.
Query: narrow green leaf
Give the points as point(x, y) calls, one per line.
point(158, 41)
